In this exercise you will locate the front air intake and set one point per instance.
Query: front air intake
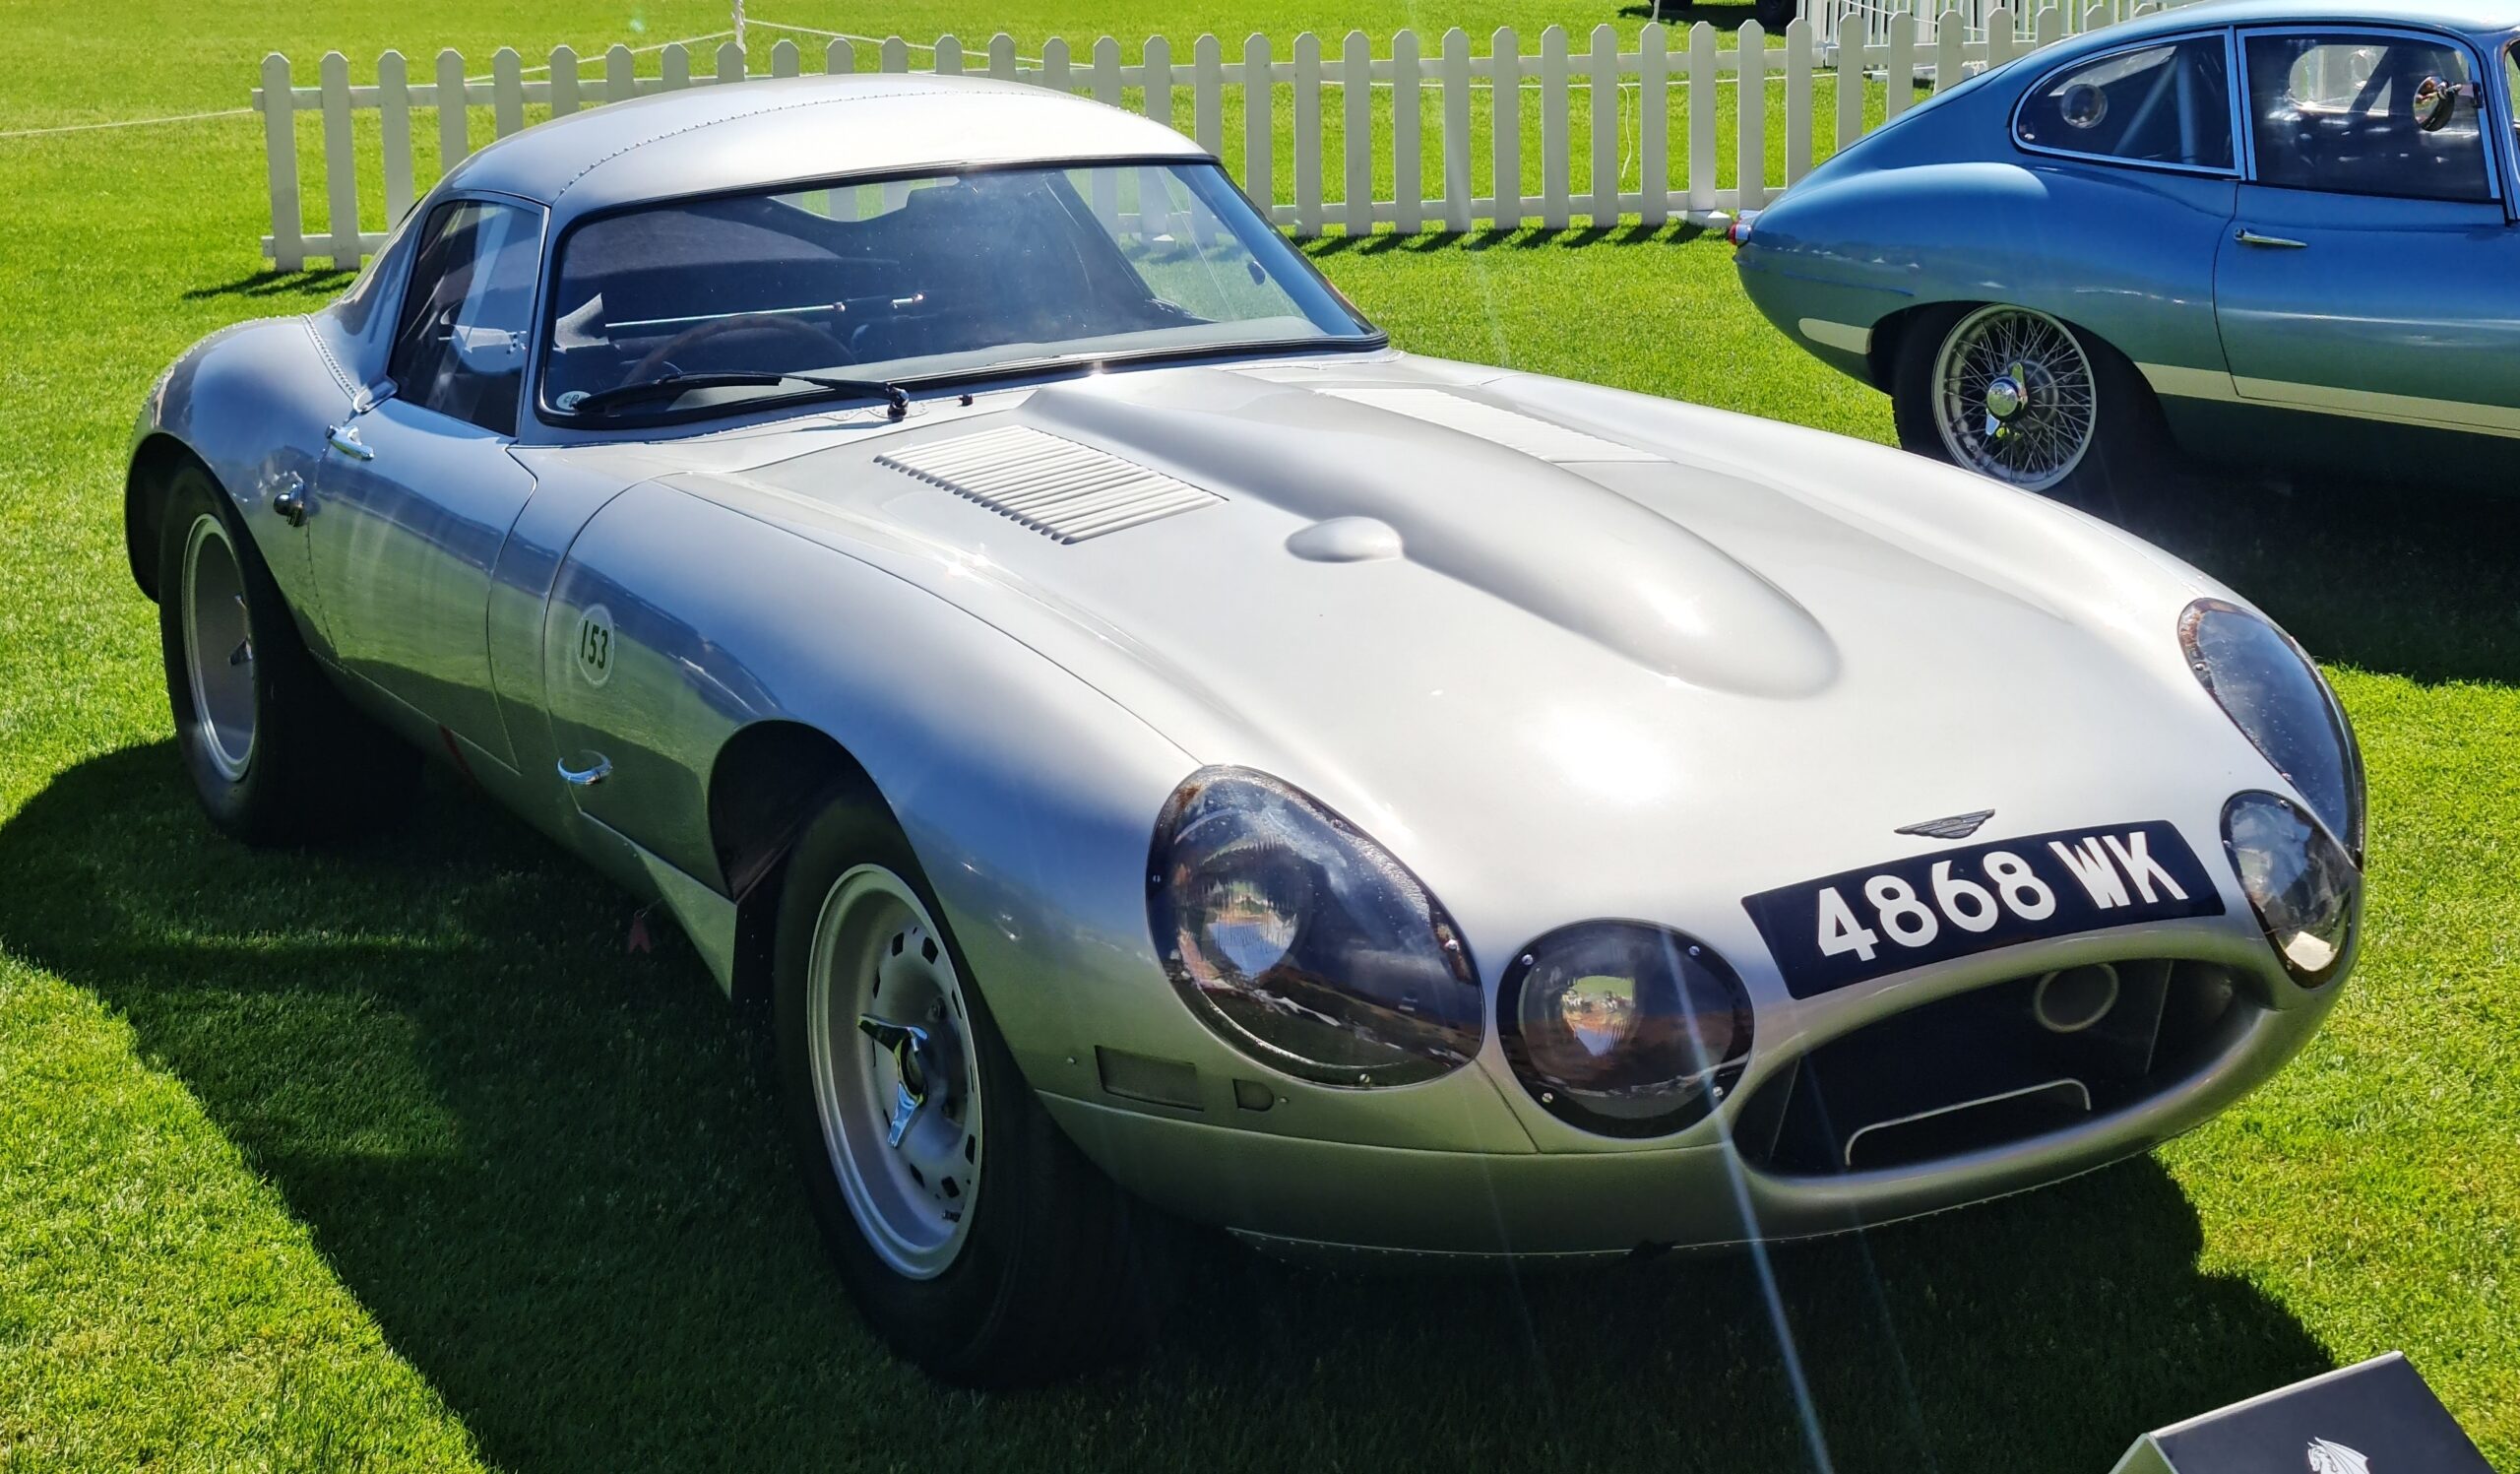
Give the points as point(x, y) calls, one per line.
point(1047, 483)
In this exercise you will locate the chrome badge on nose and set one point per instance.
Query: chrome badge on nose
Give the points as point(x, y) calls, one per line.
point(1957, 826)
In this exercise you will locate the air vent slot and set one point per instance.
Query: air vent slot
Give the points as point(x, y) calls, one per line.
point(1511, 428)
point(1049, 483)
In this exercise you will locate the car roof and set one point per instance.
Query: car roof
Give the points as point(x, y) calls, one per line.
point(2481, 17)
point(714, 138)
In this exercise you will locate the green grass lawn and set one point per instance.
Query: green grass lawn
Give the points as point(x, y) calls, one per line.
point(393, 1155)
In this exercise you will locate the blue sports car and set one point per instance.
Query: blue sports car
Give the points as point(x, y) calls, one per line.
point(2245, 226)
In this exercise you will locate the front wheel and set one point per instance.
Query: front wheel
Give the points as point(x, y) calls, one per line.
point(971, 1233)
point(2019, 397)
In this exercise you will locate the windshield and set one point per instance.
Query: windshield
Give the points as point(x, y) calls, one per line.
point(944, 276)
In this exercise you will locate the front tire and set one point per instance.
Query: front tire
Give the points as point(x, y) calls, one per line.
point(2023, 399)
point(275, 752)
point(973, 1236)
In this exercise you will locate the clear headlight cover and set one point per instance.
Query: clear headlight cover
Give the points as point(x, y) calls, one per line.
point(2276, 697)
point(2305, 889)
point(1303, 943)
point(1623, 1028)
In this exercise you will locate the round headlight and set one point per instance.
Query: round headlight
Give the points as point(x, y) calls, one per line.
point(1623, 1028)
point(1303, 943)
point(2300, 882)
point(2275, 695)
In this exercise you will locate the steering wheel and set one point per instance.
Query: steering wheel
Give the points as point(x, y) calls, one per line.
point(662, 354)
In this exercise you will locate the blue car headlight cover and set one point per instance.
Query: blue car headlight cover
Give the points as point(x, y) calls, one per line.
point(2271, 692)
point(1303, 943)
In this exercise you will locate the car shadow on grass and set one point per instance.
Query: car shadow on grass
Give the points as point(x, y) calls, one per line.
point(547, 1167)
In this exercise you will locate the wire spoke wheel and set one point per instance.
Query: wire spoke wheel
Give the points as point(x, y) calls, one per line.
point(894, 1071)
point(2015, 397)
point(219, 648)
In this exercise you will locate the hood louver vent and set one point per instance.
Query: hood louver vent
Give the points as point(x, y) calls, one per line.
point(1511, 428)
point(1054, 486)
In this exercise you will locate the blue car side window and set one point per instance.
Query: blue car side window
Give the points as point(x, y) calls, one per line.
point(2350, 112)
point(2169, 104)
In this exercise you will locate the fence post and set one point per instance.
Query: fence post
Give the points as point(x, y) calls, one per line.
point(1701, 117)
point(1750, 119)
point(453, 112)
point(1654, 124)
point(731, 66)
point(621, 74)
point(1603, 66)
point(894, 57)
point(1106, 90)
point(947, 56)
point(1899, 80)
point(1054, 67)
point(674, 66)
point(2094, 17)
point(1408, 176)
point(1154, 64)
point(1554, 146)
point(1849, 81)
point(1207, 94)
point(2001, 43)
point(1457, 191)
point(563, 85)
point(1357, 131)
point(785, 59)
point(1307, 126)
point(394, 99)
point(279, 103)
point(340, 161)
point(1797, 100)
point(1505, 126)
point(2051, 26)
point(1951, 49)
point(1002, 62)
point(1259, 136)
point(840, 59)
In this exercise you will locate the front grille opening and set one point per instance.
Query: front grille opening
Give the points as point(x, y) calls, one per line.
point(1992, 1067)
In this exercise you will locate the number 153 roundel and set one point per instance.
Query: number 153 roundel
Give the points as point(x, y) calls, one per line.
point(1864, 923)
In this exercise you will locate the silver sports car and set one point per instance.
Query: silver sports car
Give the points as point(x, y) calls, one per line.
point(1142, 738)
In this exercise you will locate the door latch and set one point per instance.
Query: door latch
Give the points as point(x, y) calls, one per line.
point(288, 498)
point(344, 437)
point(2247, 236)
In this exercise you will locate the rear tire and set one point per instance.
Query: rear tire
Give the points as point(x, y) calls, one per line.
point(973, 1237)
point(2023, 399)
point(275, 754)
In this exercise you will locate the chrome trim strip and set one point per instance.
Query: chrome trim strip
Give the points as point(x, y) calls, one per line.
point(1836, 335)
point(2215, 385)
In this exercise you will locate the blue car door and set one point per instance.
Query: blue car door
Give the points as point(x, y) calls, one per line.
point(2374, 269)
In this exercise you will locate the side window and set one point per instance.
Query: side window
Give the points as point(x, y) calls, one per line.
point(467, 315)
point(2170, 104)
point(2357, 113)
point(2512, 88)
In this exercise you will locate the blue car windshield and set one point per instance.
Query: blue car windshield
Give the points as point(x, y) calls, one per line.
point(937, 277)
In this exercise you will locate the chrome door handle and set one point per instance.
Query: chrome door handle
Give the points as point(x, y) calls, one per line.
point(344, 437)
point(590, 776)
point(2247, 236)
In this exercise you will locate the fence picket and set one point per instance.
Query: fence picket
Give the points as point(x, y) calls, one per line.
point(1701, 117)
point(1846, 36)
point(1750, 118)
point(1408, 180)
point(1654, 123)
point(1950, 50)
point(1554, 129)
point(507, 91)
point(563, 87)
point(394, 103)
point(1457, 192)
point(1259, 139)
point(1308, 125)
point(1797, 100)
point(1207, 94)
point(1602, 68)
point(454, 127)
point(1505, 126)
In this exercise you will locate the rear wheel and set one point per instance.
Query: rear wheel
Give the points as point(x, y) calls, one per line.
point(971, 1234)
point(275, 752)
point(2021, 398)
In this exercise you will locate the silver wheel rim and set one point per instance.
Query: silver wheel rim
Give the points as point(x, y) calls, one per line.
point(894, 1076)
point(2014, 397)
point(219, 648)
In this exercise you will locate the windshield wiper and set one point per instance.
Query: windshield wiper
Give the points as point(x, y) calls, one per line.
point(674, 385)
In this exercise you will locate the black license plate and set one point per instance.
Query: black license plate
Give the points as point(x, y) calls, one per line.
point(1859, 925)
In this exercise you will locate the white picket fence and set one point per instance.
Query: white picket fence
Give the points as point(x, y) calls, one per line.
point(1866, 23)
point(1642, 112)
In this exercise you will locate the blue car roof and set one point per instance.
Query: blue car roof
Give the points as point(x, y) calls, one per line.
point(2476, 17)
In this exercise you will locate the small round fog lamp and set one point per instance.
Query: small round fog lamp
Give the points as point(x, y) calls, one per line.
point(1623, 1028)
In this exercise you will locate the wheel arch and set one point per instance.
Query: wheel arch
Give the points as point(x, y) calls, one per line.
point(154, 460)
point(770, 780)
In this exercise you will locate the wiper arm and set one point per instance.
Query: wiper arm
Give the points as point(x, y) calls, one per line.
point(674, 385)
